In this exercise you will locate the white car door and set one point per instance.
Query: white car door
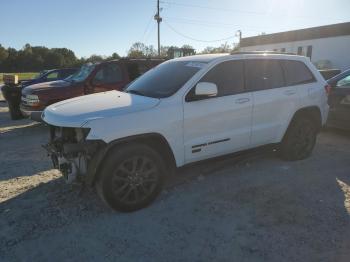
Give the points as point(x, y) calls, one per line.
point(274, 102)
point(218, 125)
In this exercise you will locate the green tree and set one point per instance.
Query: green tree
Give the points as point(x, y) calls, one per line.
point(186, 46)
point(137, 50)
point(3, 54)
point(94, 59)
point(224, 48)
point(114, 56)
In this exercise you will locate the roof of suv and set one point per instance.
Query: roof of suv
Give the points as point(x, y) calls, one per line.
point(211, 57)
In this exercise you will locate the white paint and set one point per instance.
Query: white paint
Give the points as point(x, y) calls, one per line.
point(239, 121)
point(336, 50)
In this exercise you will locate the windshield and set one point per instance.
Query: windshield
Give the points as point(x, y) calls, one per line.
point(82, 74)
point(165, 79)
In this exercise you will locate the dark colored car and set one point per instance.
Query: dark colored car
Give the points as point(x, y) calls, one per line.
point(91, 78)
point(12, 92)
point(50, 75)
point(339, 101)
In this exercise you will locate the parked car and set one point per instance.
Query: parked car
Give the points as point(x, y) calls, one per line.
point(91, 78)
point(182, 111)
point(12, 92)
point(339, 101)
point(50, 75)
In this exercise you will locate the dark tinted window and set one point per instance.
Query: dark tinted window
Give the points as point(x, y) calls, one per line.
point(228, 76)
point(165, 79)
point(309, 51)
point(300, 50)
point(296, 73)
point(263, 74)
point(108, 74)
point(133, 71)
point(65, 73)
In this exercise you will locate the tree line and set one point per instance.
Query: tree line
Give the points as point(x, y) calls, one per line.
point(37, 58)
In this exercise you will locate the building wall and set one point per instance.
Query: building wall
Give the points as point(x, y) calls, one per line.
point(333, 52)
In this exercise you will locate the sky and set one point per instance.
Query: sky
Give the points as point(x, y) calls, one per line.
point(106, 26)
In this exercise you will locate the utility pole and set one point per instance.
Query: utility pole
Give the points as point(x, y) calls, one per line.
point(239, 32)
point(158, 19)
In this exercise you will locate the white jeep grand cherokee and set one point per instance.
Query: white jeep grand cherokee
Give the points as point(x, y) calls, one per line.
point(182, 111)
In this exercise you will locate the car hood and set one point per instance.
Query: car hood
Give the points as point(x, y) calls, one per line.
point(33, 89)
point(77, 111)
point(25, 83)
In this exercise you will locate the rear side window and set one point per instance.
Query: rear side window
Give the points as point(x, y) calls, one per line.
point(65, 73)
point(262, 74)
point(109, 74)
point(296, 73)
point(228, 76)
point(133, 71)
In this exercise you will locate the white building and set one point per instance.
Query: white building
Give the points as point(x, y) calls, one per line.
point(327, 46)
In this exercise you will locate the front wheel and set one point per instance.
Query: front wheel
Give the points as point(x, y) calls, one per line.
point(299, 140)
point(131, 177)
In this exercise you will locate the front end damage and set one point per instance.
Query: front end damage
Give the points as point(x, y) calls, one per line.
point(72, 154)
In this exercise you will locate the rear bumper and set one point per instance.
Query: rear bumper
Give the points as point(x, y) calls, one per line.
point(31, 114)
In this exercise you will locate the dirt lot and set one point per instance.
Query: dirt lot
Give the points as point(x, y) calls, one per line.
point(253, 207)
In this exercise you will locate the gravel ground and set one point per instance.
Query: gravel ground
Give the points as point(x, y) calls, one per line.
point(253, 207)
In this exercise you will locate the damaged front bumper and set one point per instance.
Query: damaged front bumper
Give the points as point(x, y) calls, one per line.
point(72, 154)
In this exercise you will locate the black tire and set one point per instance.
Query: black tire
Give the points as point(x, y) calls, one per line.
point(15, 112)
point(300, 139)
point(131, 177)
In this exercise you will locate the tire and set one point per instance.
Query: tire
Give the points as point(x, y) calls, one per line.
point(131, 177)
point(299, 140)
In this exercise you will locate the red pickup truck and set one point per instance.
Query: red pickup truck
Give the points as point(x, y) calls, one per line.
point(91, 78)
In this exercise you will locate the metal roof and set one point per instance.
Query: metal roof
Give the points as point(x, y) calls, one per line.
point(298, 35)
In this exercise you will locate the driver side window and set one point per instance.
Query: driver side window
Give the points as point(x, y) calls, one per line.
point(108, 74)
point(52, 76)
point(228, 77)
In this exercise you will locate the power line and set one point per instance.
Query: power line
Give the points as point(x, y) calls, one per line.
point(195, 39)
point(150, 33)
point(147, 26)
point(209, 7)
point(219, 27)
point(211, 23)
point(240, 11)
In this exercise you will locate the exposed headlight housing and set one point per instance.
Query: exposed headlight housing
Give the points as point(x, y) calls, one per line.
point(31, 100)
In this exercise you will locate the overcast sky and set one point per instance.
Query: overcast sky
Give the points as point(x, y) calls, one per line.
point(106, 26)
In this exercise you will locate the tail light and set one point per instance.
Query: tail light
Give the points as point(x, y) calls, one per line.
point(328, 89)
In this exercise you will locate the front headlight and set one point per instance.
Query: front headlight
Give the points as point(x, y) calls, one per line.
point(31, 100)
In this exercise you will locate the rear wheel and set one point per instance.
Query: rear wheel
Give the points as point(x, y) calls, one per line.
point(299, 140)
point(131, 177)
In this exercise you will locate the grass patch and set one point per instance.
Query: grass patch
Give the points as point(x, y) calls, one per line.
point(21, 76)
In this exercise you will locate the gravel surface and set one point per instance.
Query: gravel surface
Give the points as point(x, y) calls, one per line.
point(253, 207)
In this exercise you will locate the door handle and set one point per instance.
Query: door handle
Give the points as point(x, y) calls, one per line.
point(242, 100)
point(289, 92)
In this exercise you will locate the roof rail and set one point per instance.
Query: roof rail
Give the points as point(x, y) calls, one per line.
point(141, 59)
point(260, 52)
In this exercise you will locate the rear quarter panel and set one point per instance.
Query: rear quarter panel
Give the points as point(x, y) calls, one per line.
point(314, 94)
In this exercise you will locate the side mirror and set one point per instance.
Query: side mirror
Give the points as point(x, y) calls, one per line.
point(204, 89)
